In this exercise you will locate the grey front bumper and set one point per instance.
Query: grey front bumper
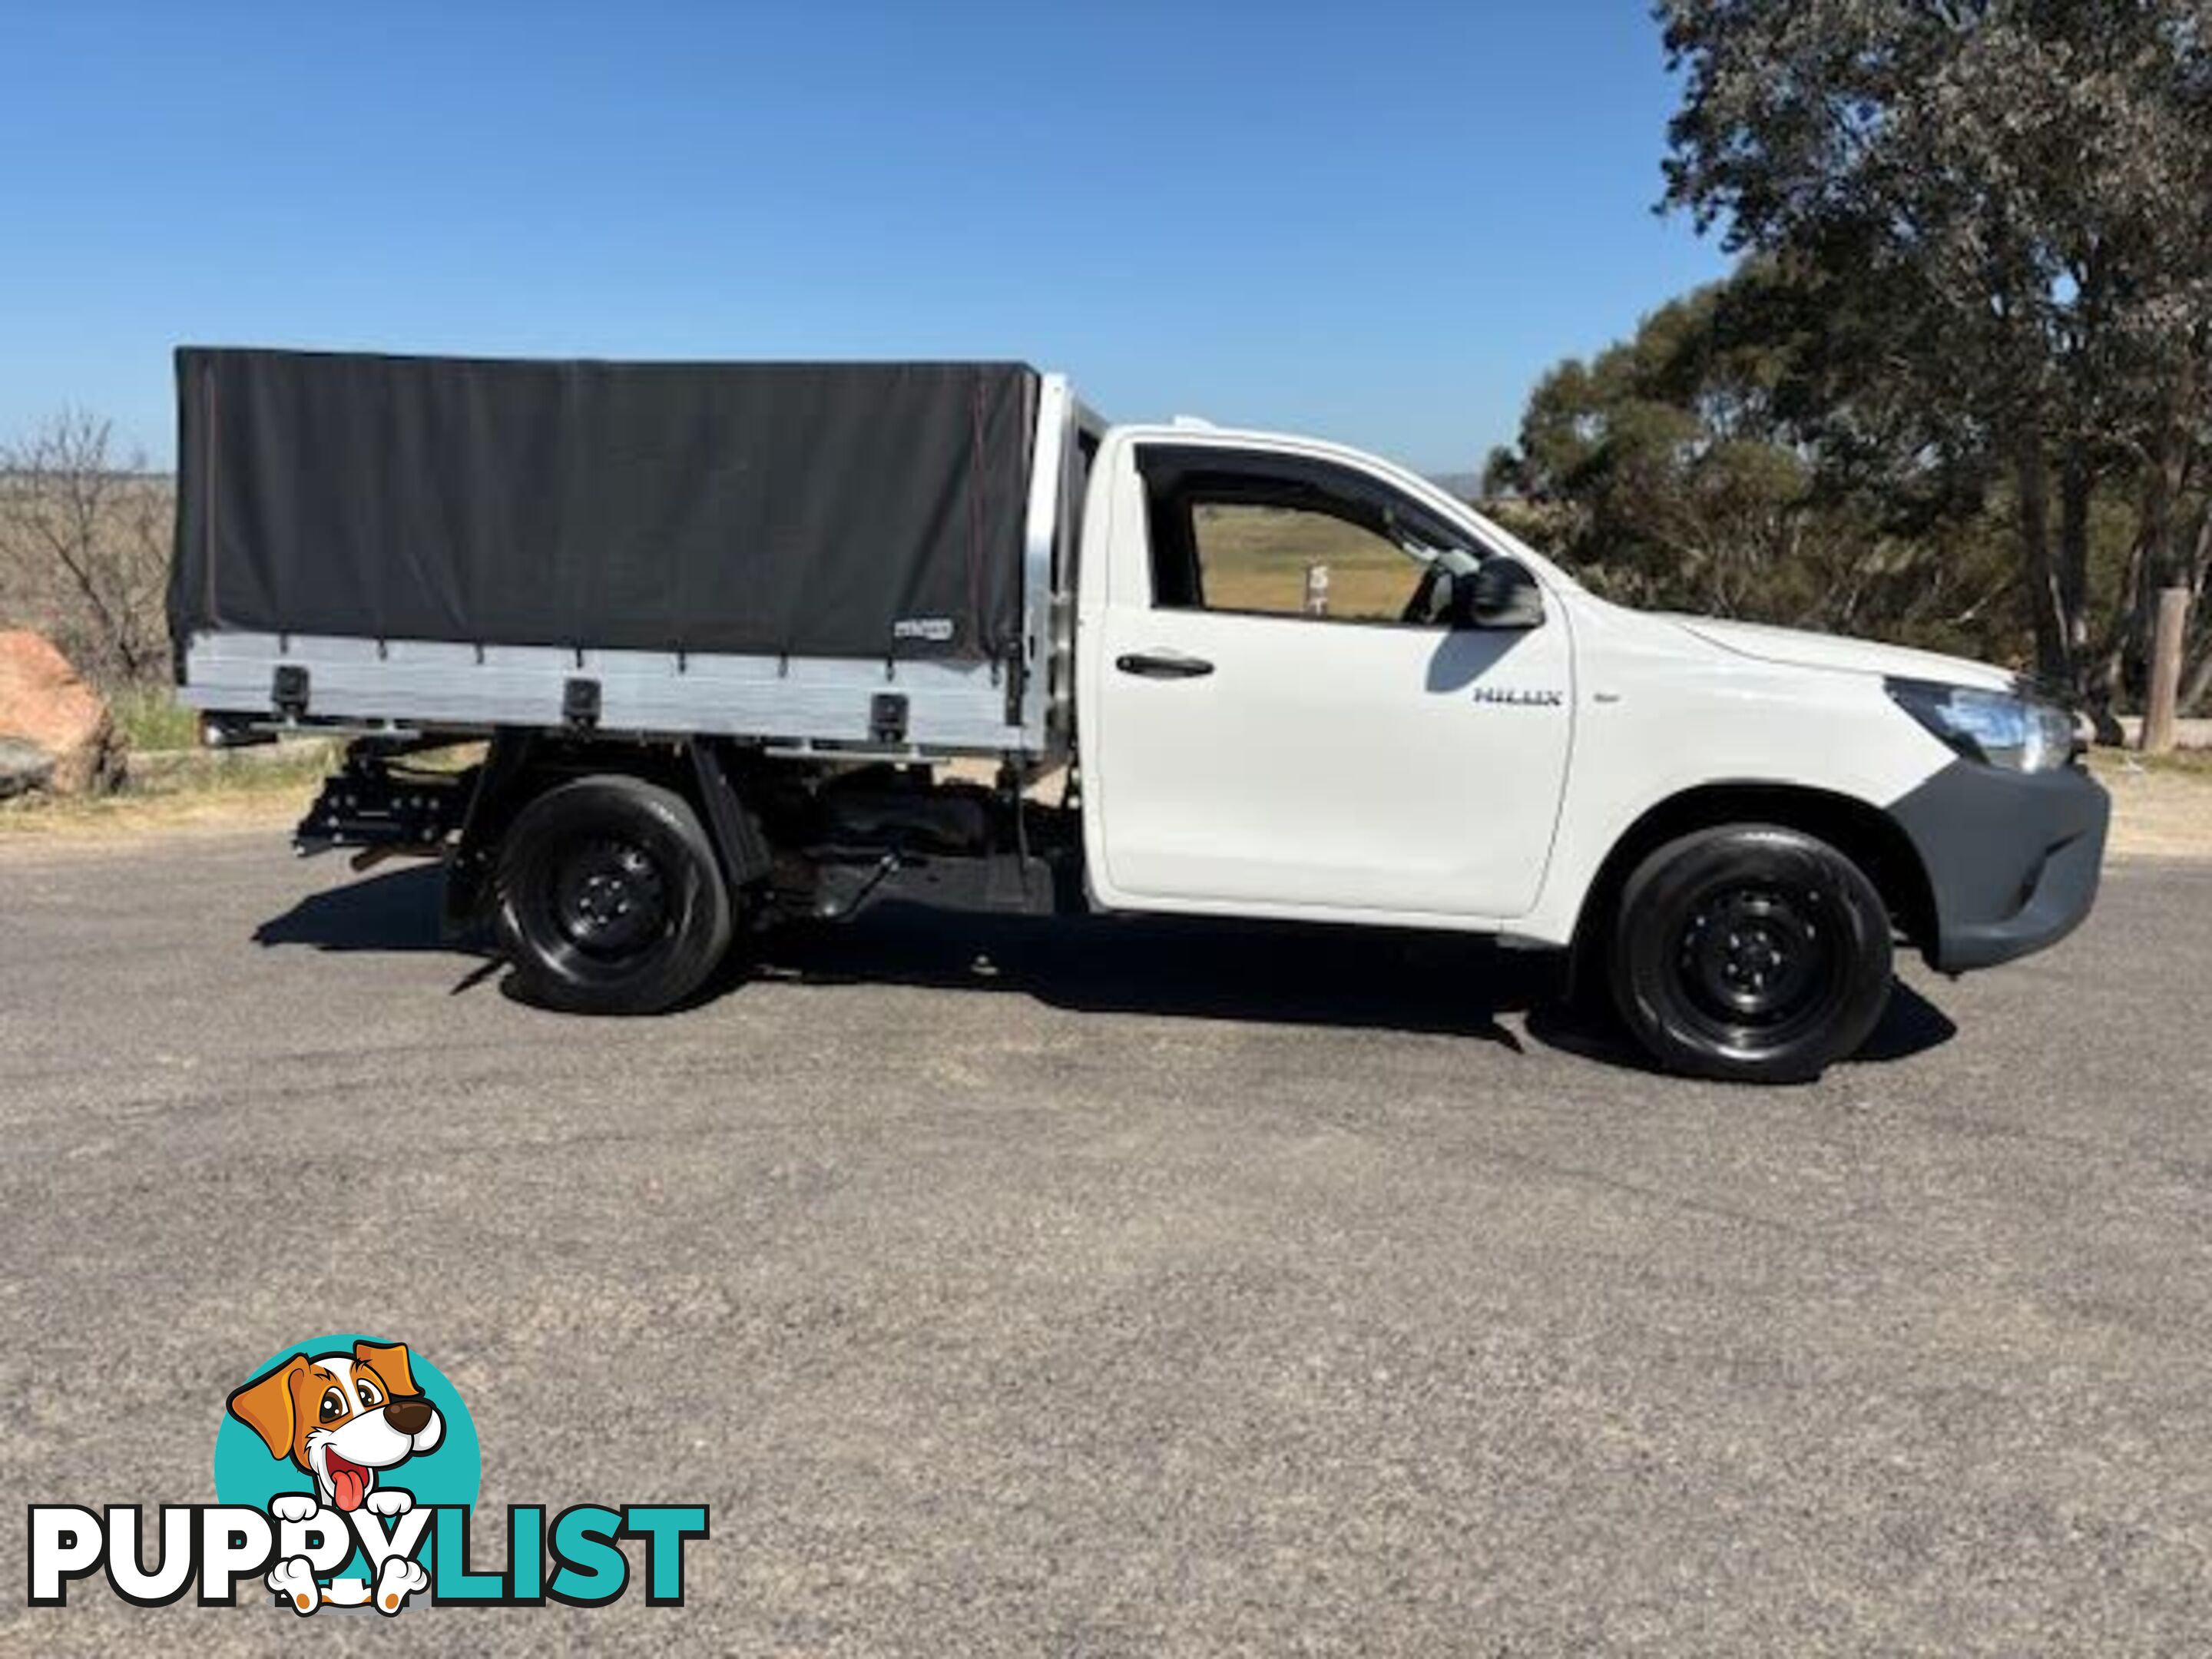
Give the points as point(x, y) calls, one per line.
point(2012, 860)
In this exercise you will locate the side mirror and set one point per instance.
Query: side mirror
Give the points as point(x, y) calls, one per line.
point(1499, 593)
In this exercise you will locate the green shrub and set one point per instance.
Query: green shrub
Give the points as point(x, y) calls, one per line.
point(150, 717)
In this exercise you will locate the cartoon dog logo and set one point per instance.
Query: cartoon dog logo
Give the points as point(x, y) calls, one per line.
point(344, 1419)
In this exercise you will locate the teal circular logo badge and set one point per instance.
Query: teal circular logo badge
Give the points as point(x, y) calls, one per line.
point(342, 1418)
point(357, 1426)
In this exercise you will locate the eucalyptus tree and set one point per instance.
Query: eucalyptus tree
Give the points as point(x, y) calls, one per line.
point(1715, 461)
point(2018, 193)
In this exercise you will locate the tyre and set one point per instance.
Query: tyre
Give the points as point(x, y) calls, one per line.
point(610, 900)
point(1749, 952)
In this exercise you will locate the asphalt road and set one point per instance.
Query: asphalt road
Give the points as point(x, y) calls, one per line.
point(1131, 1289)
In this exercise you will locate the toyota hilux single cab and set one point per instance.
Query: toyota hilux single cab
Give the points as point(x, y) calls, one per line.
point(734, 637)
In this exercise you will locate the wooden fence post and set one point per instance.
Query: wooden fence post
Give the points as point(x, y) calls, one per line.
point(2165, 669)
point(1316, 590)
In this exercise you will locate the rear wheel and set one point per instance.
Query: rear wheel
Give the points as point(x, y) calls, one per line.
point(1750, 952)
point(611, 900)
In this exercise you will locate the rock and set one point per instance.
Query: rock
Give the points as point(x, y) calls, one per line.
point(23, 767)
point(44, 702)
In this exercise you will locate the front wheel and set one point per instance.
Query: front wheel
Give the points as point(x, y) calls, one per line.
point(1750, 952)
point(611, 900)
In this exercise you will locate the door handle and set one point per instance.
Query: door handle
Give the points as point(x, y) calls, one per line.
point(1163, 666)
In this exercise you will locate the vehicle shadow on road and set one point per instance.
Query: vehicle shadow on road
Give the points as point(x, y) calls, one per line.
point(1439, 984)
point(1172, 967)
point(1165, 967)
point(396, 910)
point(1909, 1025)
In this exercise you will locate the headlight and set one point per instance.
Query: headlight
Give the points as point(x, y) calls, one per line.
point(2023, 734)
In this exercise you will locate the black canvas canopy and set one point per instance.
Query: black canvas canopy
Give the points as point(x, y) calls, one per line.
point(864, 510)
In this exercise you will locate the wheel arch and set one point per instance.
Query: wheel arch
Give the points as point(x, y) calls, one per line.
point(1860, 830)
point(521, 765)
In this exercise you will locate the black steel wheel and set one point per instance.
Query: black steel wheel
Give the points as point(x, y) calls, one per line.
point(610, 898)
point(1750, 952)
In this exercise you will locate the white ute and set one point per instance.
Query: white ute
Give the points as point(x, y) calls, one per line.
point(1725, 826)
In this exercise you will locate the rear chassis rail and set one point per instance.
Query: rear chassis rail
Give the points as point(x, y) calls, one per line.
point(380, 807)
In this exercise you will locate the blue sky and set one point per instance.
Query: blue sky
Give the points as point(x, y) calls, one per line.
point(1377, 222)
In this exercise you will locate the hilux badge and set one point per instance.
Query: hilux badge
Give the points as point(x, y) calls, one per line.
point(1519, 698)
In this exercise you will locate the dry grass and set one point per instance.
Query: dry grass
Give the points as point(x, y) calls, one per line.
point(2161, 805)
point(1256, 559)
point(187, 789)
point(2178, 762)
point(181, 790)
